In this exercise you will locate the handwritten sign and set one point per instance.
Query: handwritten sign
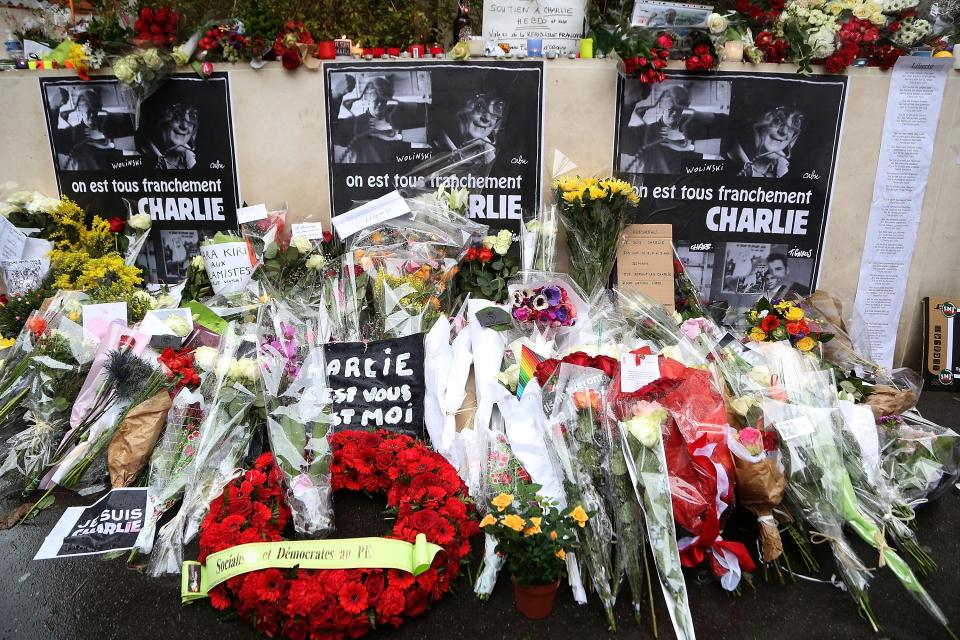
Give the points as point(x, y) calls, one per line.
point(645, 262)
point(229, 266)
point(559, 23)
point(377, 384)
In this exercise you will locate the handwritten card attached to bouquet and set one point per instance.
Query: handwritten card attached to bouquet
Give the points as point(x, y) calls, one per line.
point(229, 266)
point(378, 384)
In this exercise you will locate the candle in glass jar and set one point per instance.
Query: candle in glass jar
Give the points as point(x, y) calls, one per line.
point(534, 47)
point(476, 46)
point(733, 50)
point(586, 48)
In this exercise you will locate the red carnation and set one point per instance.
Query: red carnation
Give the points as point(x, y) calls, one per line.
point(353, 597)
point(769, 322)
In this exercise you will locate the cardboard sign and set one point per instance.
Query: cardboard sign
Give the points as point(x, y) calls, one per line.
point(229, 266)
point(645, 262)
point(557, 23)
point(112, 523)
point(378, 384)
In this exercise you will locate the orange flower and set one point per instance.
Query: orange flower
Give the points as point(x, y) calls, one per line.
point(585, 399)
point(36, 325)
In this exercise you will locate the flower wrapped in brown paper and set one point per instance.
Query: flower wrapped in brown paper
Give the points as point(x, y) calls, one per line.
point(888, 401)
point(760, 487)
point(134, 441)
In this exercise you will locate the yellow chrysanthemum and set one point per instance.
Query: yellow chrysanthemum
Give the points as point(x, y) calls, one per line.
point(502, 501)
point(571, 196)
point(487, 521)
point(757, 334)
point(579, 516)
point(597, 193)
point(793, 314)
point(806, 344)
point(534, 527)
point(515, 522)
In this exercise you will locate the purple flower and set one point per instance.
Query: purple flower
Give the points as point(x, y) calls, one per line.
point(552, 294)
point(561, 314)
point(289, 332)
point(522, 314)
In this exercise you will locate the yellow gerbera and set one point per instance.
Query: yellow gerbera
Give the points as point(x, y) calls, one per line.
point(502, 501)
point(806, 344)
point(487, 521)
point(579, 516)
point(513, 521)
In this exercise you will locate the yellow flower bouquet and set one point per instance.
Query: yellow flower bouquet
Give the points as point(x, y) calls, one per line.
point(593, 212)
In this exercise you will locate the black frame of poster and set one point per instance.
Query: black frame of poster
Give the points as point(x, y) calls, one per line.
point(478, 89)
point(129, 154)
point(683, 141)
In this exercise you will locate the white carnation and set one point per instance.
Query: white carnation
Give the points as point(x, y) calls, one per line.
point(205, 358)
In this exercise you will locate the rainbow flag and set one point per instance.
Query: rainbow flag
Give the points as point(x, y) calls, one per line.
point(528, 368)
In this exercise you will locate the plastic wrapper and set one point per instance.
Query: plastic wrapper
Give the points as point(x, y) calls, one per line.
point(266, 233)
point(640, 429)
point(550, 303)
point(142, 72)
point(60, 364)
point(172, 458)
point(224, 437)
point(921, 457)
point(594, 214)
point(538, 240)
point(576, 439)
point(819, 485)
point(294, 382)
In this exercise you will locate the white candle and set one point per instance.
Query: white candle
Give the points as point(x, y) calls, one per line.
point(733, 50)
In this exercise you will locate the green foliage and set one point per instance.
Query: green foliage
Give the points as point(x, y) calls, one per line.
point(16, 310)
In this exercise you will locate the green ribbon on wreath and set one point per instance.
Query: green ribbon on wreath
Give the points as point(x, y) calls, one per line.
point(197, 579)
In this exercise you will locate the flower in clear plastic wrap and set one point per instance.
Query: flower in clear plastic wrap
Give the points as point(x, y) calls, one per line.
point(301, 243)
point(502, 242)
point(244, 370)
point(742, 405)
point(140, 222)
point(806, 344)
point(197, 262)
point(151, 58)
point(752, 440)
point(316, 262)
point(646, 421)
point(205, 358)
point(717, 23)
point(125, 70)
point(178, 325)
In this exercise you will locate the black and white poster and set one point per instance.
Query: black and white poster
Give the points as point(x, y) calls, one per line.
point(378, 384)
point(742, 166)
point(385, 120)
point(178, 165)
point(112, 523)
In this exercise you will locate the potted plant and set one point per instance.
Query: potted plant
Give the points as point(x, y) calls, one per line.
point(534, 536)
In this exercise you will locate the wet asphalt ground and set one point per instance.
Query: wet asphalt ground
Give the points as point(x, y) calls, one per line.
point(89, 598)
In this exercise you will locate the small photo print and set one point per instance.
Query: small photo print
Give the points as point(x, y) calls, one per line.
point(764, 269)
point(193, 578)
point(178, 246)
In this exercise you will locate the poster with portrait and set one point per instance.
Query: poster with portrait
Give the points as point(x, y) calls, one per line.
point(386, 121)
point(176, 164)
point(742, 166)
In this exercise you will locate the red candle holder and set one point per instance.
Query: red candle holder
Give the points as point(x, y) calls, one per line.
point(417, 50)
point(327, 50)
point(436, 49)
point(393, 51)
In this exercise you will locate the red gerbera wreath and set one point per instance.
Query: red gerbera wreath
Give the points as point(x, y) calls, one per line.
point(421, 487)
